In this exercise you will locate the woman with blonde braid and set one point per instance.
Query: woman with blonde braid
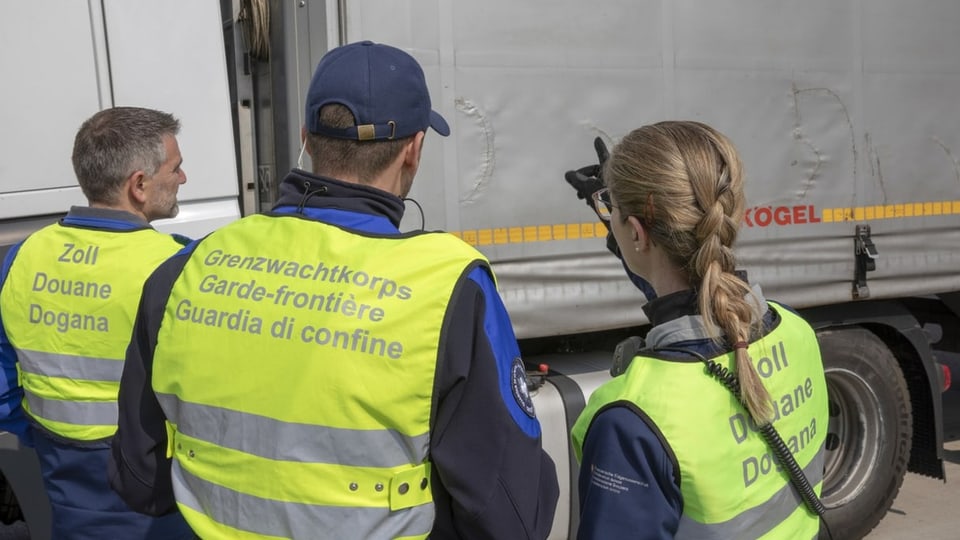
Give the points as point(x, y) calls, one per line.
point(667, 449)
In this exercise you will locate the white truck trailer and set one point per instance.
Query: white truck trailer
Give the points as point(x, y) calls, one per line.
point(843, 112)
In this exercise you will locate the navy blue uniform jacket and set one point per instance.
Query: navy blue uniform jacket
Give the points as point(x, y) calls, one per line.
point(495, 481)
point(620, 441)
point(75, 474)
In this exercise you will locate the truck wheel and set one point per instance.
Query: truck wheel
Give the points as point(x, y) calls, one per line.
point(9, 509)
point(869, 432)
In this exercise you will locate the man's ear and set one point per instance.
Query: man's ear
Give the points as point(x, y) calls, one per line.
point(136, 189)
point(413, 151)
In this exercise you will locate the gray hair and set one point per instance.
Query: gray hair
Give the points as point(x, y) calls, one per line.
point(114, 143)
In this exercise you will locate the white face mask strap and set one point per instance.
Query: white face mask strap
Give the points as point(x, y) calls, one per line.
point(303, 147)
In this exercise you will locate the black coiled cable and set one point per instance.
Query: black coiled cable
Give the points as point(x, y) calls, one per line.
point(722, 374)
point(787, 461)
point(799, 480)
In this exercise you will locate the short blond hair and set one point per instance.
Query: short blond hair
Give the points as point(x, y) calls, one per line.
point(337, 157)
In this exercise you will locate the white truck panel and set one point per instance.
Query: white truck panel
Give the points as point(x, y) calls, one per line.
point(176, 63)
point(841, 119)
point(82, 57)
point(51, 83)
point(558, 406)
point(547, 401)
point(197, 216)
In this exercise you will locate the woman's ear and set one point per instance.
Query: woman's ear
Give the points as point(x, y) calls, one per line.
point(639, 235)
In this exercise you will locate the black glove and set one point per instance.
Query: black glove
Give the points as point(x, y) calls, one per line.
point(587, 180)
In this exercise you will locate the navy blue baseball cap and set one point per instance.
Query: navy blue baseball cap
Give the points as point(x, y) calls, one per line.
point(383, 87)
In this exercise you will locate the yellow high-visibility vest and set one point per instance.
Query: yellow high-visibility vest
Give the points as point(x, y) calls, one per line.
point(295, 363)
point(68, 305)
point(730, 480)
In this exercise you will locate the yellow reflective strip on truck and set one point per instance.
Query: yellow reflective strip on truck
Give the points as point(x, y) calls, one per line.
point(891, 211)
point(575, 231)
point(531, 233)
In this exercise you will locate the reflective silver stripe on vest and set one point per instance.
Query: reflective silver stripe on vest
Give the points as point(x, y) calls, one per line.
point(296, 520)
point(70, 367)
point(289, 441)
point(81, 413)
point(757, 521)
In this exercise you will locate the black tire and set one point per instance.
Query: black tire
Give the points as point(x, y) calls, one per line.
point(9, 509)
point(869, 433)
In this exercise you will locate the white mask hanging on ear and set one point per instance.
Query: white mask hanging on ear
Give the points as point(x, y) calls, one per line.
point(303, 148)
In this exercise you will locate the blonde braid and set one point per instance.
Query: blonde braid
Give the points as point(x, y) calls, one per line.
point(683, 181)
point(722, 294)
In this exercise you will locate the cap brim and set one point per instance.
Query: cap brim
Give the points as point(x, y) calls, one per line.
point(439, 124)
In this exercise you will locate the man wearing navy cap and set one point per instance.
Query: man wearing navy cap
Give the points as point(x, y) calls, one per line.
point(316, 373)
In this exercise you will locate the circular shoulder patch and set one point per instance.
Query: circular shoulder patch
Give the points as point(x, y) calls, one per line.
point(518, 382)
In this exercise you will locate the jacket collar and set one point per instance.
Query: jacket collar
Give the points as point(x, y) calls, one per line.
point(675, 318)
point(305, 190)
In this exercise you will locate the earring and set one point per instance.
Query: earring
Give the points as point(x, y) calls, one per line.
point(636, 248)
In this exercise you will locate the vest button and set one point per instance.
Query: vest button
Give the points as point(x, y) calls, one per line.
point(404, 488)
point(378, 487)
point(423, 484)
point(353, 486)
point(190, 453)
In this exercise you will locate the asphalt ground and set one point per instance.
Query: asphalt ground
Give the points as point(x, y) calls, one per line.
point(927, 508)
